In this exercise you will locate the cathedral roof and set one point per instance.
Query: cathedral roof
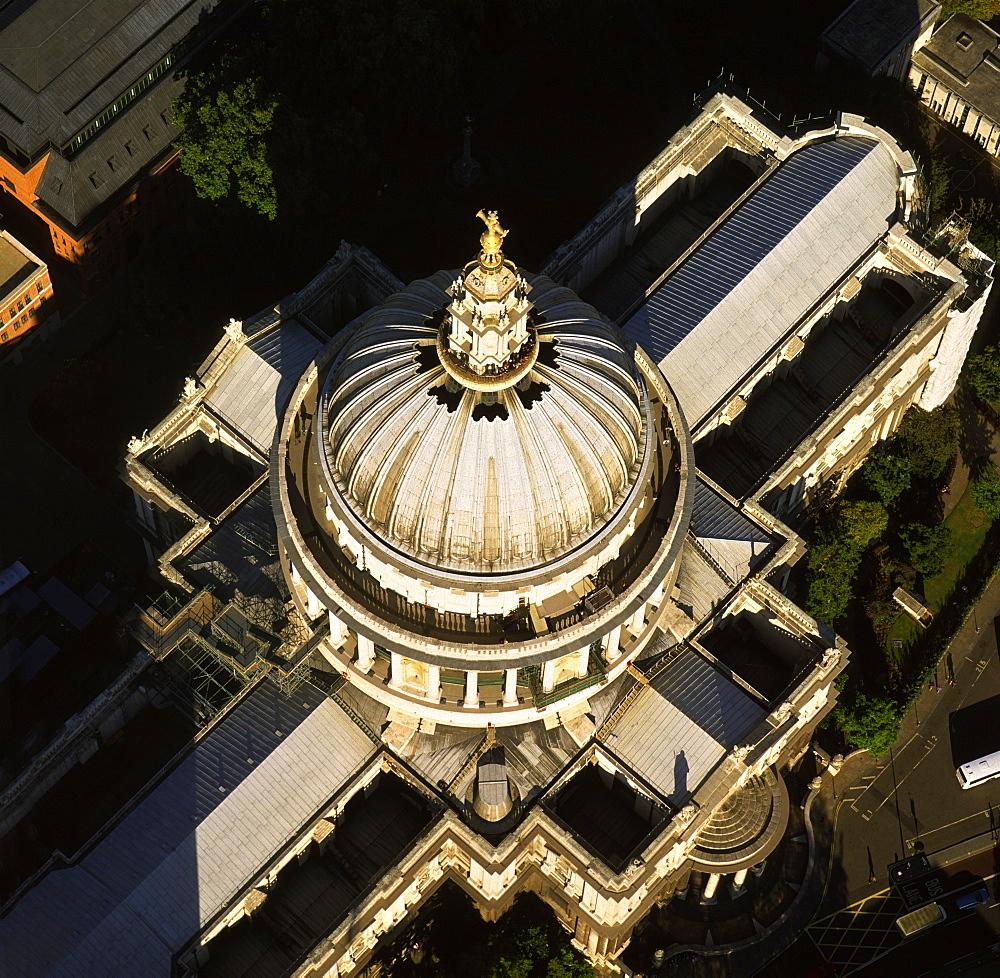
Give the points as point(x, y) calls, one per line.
point(485, 482)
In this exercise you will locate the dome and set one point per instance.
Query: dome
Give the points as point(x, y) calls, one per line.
point(501, 478)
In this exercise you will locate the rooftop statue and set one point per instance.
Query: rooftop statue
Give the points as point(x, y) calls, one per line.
point(491, 239)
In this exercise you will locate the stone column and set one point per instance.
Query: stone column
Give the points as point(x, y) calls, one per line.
point(635, 623)
point(657, 596)
point(708, 894)
point(510, 687)
point(548, 675)
point(366, 653)
point(582, 663)
point(736, 887)
point(339, 632)
point(312, 604)
point(472, 689)
point(395, 670)
point(611, 642)
point(433, 683)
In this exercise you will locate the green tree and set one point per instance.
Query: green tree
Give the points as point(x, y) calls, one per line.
point(887, 474)
point(984, 375)
point(224, 146)
point(927, 546)
point(857, 524)
point(832, 564)
point(986, 489)
point(871, 723)
point(831, 569)
point(976, 9)
point(929, 439)
point(938, 185)
point(295, 115)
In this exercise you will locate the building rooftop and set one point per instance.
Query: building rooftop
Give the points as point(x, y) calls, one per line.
point(15, 265)
point(964, 54)
point(682, 725)
point(740, 293)
point(63, 62)
point(869, 31)
point(731, 538)
point(253, 391)
point(188, 846)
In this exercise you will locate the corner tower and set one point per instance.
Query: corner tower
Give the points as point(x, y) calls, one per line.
point(482, 489)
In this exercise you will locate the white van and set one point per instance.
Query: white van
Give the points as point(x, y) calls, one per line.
point(982, 769)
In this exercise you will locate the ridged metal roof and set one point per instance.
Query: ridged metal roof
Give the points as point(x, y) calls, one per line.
point(723, 310)
point(180, 855)
point(440, 477)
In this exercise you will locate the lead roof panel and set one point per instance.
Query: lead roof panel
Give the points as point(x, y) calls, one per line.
point(746, 286)
point(682, 725)
point(180, 855)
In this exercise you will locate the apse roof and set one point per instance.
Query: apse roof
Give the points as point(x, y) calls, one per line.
point(738, 295)
point(182, 853)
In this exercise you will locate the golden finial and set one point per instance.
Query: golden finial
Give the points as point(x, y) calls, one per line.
point(491, 239)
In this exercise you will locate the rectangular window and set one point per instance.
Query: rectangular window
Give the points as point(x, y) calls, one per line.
point(3, 337)
point(39, 288)
point(13, 312)
point(20, 305)
point(24, 319)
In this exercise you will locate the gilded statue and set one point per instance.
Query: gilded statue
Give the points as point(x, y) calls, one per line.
point(492, 238)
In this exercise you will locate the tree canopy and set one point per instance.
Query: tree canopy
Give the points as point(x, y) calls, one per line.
point(871, 723)
point(986, 489)
point(927, 546)
point(832, 564)
point(929, 439)
point(291, 112)
point(887, 474)
point(976, 9)
point(224, 146)
point(984, 375)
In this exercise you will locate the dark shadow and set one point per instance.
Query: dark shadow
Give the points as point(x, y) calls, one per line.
point(974, 731)
point(681, 769)
point(609, 816)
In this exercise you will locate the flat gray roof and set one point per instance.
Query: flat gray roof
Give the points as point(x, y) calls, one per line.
point(869, 31)
point(682, 725)
point(15, 266)
point(252, 393)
